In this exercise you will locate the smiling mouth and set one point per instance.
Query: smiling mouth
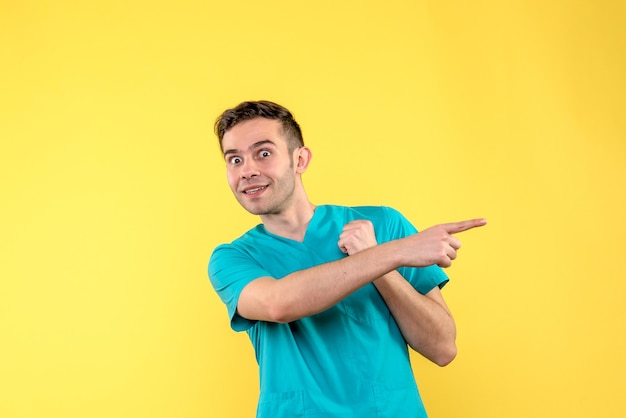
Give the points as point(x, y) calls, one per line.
point(254, 190)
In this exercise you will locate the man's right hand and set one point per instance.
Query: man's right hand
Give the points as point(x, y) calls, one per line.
point(437, 245)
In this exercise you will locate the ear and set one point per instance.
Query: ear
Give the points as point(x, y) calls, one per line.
point(302, 158)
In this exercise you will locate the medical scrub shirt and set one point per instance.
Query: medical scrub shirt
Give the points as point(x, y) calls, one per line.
point(348, 361)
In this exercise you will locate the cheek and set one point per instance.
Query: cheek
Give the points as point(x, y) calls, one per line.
point(232, 179)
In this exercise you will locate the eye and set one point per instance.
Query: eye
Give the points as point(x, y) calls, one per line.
point(264, 153)
point(234, 160)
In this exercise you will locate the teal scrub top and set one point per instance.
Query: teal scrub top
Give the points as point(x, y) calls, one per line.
point(348, 361)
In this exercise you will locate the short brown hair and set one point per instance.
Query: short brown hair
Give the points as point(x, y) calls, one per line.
point(260, 109)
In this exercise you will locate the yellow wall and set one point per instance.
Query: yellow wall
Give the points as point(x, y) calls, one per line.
point(114, 194)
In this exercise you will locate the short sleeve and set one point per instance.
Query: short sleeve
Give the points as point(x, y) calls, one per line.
point(423, 279)
point(230, 270)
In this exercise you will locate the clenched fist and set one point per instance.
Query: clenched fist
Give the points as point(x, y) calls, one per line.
point(434, 245)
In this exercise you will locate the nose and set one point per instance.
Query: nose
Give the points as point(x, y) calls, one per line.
point(249, 169)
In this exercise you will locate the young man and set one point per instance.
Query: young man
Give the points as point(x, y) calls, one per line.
point(330, 296)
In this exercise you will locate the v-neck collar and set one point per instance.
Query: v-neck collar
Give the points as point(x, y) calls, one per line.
point(314, 223)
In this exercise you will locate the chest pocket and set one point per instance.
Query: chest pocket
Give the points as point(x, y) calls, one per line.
point(366, 305)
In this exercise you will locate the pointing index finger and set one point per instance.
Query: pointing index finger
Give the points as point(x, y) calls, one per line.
point(456, 227)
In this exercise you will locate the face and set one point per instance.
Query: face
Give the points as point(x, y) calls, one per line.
point(259, 166)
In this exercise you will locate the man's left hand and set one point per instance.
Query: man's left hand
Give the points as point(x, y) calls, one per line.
point(357, 236)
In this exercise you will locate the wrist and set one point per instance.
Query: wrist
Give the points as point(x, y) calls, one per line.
point(394, 254)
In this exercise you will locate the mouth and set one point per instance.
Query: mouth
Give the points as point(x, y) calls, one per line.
point(254, 190)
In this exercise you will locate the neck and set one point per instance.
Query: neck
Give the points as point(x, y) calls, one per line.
point(292, 222)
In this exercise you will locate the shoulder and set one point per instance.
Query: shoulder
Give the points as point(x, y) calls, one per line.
point(240, 245)
point(377, 212)
point(237, 260)
point(253, 234)
point(388, 222)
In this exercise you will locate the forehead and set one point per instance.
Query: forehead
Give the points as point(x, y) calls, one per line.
point(248, 132)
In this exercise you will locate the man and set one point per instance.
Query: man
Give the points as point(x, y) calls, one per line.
point(330, 296)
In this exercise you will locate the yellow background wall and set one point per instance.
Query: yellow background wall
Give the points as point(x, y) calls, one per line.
point(113, 191)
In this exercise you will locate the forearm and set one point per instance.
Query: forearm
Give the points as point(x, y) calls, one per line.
point(425, 322)
point(310, 291)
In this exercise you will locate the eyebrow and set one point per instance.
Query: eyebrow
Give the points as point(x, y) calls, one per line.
point(253, 146)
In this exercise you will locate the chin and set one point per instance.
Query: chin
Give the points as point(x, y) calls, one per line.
point(254, 210)
point(260, 211)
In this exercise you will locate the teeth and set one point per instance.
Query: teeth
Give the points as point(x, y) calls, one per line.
point(254, 190)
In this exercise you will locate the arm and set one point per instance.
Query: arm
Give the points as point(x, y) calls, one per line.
point(310, 291)
point(424, 320)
